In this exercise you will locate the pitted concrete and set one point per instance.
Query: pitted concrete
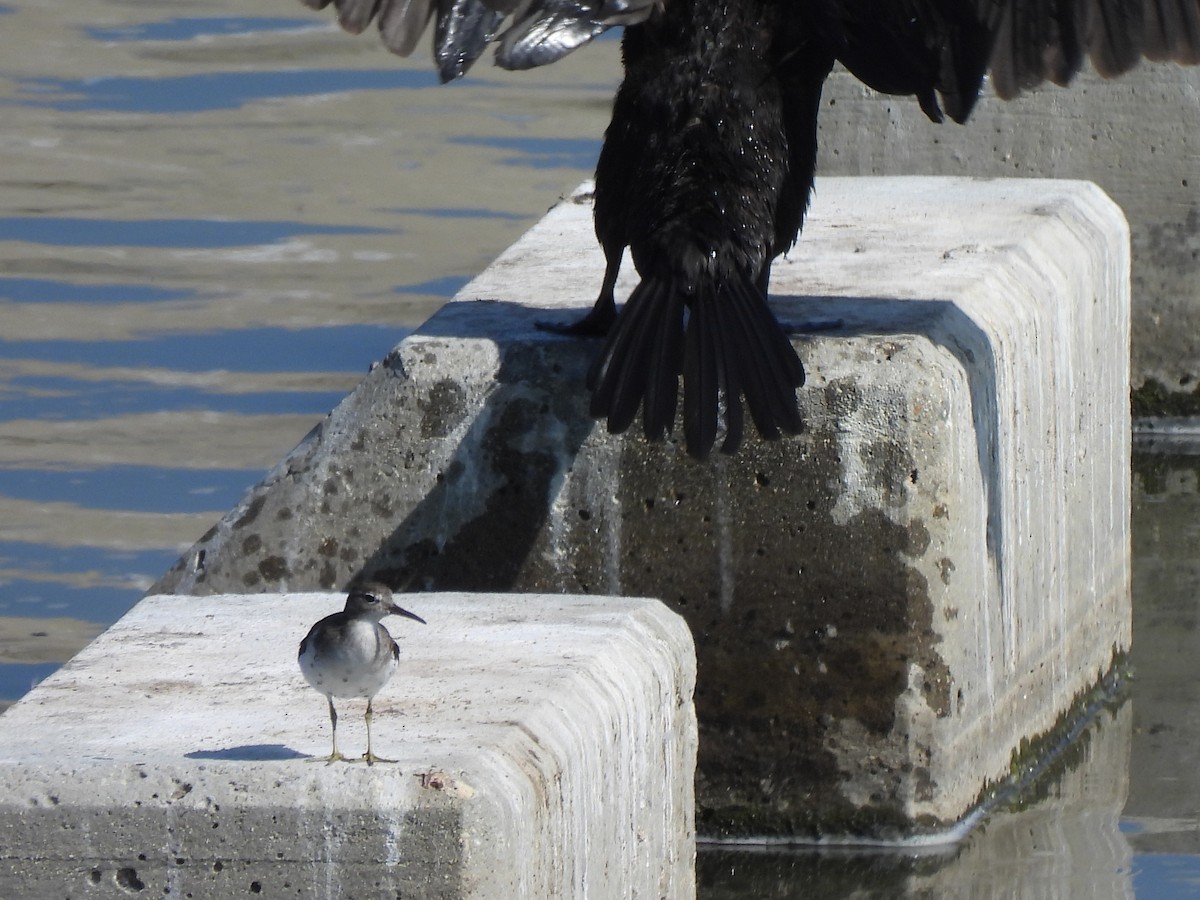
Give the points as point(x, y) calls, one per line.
point(544, 748)
point(886, 606)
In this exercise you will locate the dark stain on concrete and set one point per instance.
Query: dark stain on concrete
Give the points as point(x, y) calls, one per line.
point(816, 622)
point(1154, 398)
point(274, 568)
point(252, 510)
point(946, 566)
point(441, 409)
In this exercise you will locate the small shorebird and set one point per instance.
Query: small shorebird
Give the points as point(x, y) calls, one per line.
point(351, 654)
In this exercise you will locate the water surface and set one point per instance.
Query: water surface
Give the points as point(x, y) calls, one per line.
point(210, 226)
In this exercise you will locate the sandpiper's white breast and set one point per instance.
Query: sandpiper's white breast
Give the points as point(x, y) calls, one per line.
point(353, 660)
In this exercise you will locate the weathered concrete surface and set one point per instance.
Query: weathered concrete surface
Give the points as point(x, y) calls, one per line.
point(884, 607)
point(545, 747)
point(1137, 137)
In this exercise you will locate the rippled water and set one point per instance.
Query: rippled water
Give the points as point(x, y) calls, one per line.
point(211, 224)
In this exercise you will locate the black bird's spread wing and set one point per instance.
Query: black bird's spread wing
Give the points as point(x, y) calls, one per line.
point(925, 48)
point(538, 32)
point(1047, 40)
point(941, 49)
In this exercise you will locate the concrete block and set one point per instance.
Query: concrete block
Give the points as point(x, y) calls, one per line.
point(545, 747)
point(1135, 137)
point(886, 606)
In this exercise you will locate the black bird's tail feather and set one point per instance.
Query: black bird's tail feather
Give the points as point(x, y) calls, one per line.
point(722, 338)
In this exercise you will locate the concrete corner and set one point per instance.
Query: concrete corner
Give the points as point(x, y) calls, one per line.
point(887, 606)
point(545, 747)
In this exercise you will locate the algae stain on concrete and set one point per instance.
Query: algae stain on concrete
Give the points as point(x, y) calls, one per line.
point(826, 621)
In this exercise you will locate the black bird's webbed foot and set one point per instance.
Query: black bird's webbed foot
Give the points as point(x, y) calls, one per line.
point(600, 318)
point(595, 324)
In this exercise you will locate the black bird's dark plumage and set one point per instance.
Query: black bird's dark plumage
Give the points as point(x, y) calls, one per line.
point(708, 163)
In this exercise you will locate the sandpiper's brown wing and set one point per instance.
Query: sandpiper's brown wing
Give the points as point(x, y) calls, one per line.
point(324, 635)
point(536, 32)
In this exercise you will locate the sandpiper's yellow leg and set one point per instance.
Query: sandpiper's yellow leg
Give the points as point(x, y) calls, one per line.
point(369, 757)
point(334, 756)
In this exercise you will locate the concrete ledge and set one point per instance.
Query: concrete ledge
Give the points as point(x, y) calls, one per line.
point(546, 747)
point(885, 607)
point(1134, 136)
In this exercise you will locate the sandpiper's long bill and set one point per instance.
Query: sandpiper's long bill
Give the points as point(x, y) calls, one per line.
point(351, 654)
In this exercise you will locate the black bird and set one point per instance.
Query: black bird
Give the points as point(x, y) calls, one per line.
point(351, 654)
point(708, 163)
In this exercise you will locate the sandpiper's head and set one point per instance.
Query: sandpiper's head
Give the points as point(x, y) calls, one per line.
point(374, 600)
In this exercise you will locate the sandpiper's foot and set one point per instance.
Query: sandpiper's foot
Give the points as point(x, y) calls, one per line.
point(370, 759)
point(328, 760)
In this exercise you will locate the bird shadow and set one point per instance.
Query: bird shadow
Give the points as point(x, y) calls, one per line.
point(498, 522)
point(477, 527)
point(250, 753)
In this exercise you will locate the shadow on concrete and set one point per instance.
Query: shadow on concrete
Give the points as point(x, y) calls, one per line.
point(481, 526)
point(250, 753)
point(478, 527)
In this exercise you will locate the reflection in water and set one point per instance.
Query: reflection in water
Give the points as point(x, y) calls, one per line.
point(186, 29)
point(20, 678)
point(142, 488)
point(205, 92)
point(541, 153)
point(46, 290)
point(1061, 838)
point(338, 347)
point(1162, 818)
point(81, 232)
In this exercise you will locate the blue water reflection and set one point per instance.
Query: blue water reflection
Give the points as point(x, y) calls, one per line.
point(186, 28)
point(334, 348)
point(103, 603)
point(59, 398)
point(48, 290)
point(17, 679)
point(70, 231)
point(457, 212)
point(1163, 875)
point(208, 91)
point(539, 152)
point(447, 286)
point(132, 487)
point(52, 563)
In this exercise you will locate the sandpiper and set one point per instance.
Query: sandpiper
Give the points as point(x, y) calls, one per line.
point(351, 654)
